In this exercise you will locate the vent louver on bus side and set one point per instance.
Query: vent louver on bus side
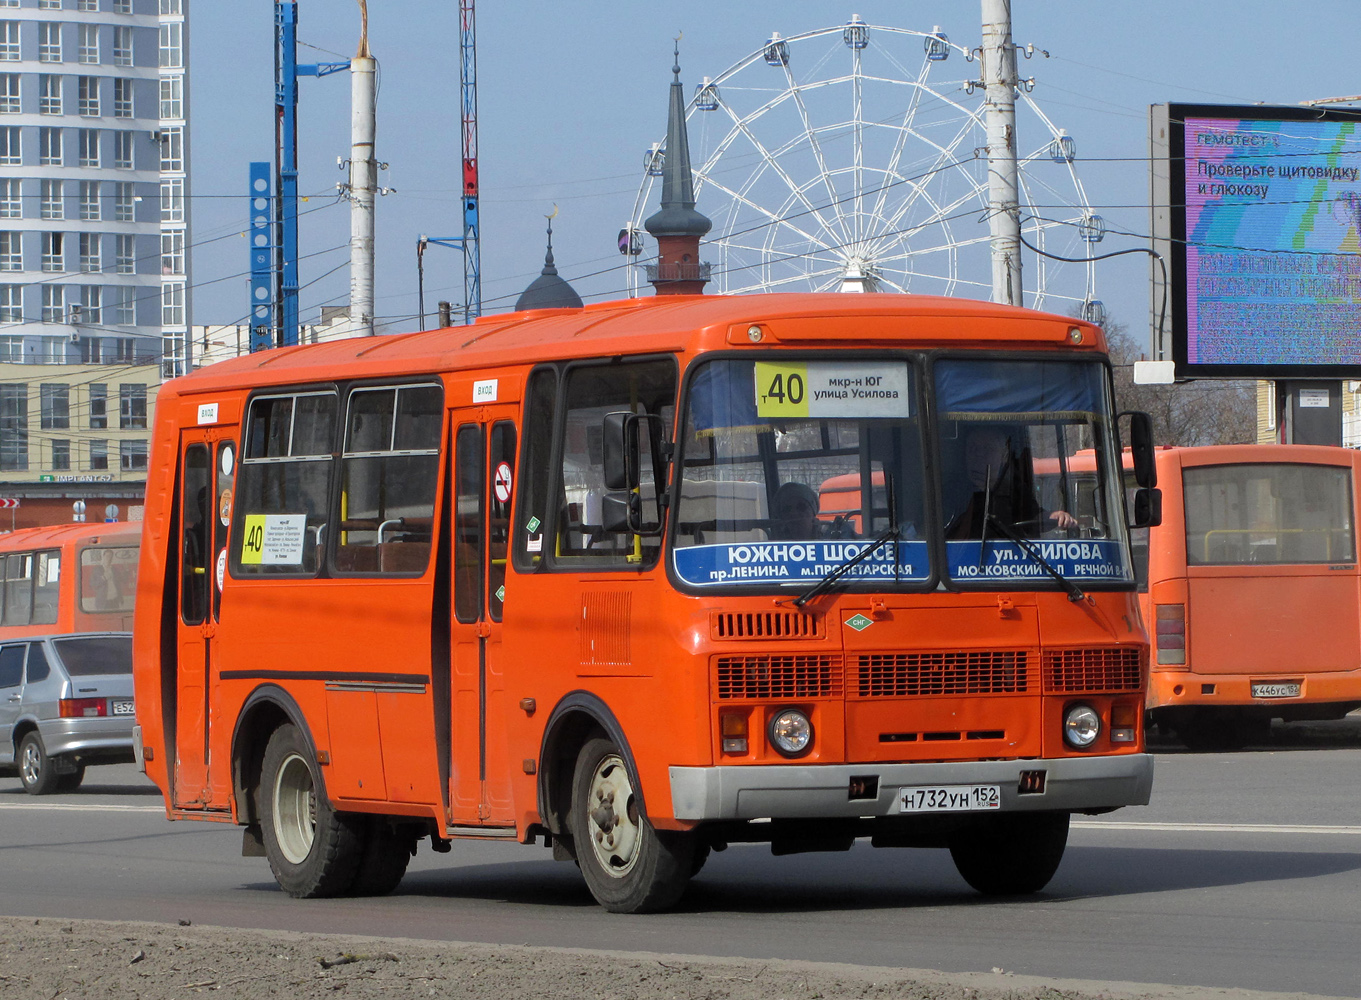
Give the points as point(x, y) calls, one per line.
point(897, 675)
point(777, 676)
point(1105, 669)
point(606, 628)
point(736, 625)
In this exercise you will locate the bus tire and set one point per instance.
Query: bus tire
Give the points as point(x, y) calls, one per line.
point(387, 852)
point(36, 769)
point(1010, 855)
point(313, 850)
point(628, 866)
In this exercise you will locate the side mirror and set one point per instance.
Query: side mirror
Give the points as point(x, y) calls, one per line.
point(621, 451)
point(1148, 508)
point(1141, 447)
point(617, 512)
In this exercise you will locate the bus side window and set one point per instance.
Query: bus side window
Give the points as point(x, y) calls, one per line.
point(195, 556)
point(388, 475)
point(535, 468)
point(498, 522)
point(468, 509)
point(45, 588)
point(593, 391)
point(18, 588)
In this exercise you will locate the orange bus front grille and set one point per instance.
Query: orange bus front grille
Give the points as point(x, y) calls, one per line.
point(778, 676)
point(1070, 671)
point(729, 625)
point(897, 675)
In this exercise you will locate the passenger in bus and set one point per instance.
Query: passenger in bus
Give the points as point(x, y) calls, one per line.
point(991, 469)
point(796, 513)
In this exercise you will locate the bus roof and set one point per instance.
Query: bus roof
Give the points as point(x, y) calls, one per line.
point(49, 535)
point(1240, 454)
point(663, 324)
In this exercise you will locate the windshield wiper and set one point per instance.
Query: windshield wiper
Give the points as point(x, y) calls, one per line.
point(823, 585)
point(1074, 591)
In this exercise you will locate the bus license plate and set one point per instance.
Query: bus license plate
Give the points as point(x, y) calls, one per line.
point(1275, 690)
point(949, 798)
point(124, 707)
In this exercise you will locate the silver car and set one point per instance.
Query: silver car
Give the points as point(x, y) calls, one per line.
point(65, 702)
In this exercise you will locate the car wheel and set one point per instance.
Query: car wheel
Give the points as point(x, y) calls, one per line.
point(387, 852)
point(35, 767)
point(313, 850)
point(628, 866)
point(70, 782)
point(1010, 855)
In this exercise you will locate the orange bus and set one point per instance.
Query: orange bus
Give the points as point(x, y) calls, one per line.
point(559, 577)
point(68, 578)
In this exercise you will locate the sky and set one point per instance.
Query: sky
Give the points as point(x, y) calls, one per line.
point(571, 95)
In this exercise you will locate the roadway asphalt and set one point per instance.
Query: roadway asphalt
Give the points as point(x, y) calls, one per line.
point(1245, 872)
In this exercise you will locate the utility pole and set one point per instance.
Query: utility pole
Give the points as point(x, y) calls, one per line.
point(472, 228)
point(999, 114)
point(363, 179)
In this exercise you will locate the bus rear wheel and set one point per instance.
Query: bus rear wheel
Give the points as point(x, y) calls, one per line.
point(1011, 855)
point(313, 850)
point(387, 852)
point(628, 866)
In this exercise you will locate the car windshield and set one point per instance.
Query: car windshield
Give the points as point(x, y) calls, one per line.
point(89, 656)
point(789, 468)
point(1009, 434)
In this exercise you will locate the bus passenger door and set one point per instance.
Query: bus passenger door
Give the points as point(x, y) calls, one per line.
point(206, 475)
point(484, 457)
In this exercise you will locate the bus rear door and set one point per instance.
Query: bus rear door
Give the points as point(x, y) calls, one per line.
point(484, 463)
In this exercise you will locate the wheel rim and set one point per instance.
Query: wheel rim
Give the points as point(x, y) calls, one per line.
point(612, 813)
point(295, 809)
point(31, 764)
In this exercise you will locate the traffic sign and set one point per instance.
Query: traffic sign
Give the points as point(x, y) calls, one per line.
point(7, 502)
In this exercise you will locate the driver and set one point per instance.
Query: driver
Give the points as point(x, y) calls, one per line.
point(991, 471)
point(796, 513)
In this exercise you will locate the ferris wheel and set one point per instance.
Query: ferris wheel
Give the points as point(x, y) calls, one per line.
point(854, 158)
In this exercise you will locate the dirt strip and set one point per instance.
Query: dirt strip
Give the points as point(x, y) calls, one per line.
point(114, 960)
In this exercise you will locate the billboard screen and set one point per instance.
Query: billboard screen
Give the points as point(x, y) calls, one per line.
point(1258, 220)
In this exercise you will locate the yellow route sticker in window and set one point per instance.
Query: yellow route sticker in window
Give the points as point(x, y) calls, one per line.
point(781, 389)
point(855, 389)
point(253, 540)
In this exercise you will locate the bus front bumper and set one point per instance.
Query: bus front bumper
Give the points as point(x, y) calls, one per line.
point(816, 791)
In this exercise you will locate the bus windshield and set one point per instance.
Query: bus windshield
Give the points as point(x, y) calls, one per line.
point(789, 468)
point(1006, 429)
point(1268, 513)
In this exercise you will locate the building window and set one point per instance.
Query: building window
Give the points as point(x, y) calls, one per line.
point(88, 51)
point(49, 94)
point(172, 200)
point(49, 4)
point(89, 201)
point(11, 305)
point(49, 41)
point(92, 304)
point(11, 198)
point(172, 305)
point(99, 456)
point(12, 349)
point(99, 402)
point(91, 255)
point(132, 456)
point(170, 7)
point(9, 94)
point(61, 455)
point(122, 97)
point(125, 306)
point(9, 3)
point(11, 151)
point(89, 147)
point(54, 253)
point(125, 254)
point(172, 148)
point(13, 428)
point(87, 97)
point(92, 5)
point(172, 357)
point(131, 406)
point(49, 147)
point(172, 45)
point(122, 150)
point(9, 41)
point(172, 253)
point(51, 204)
point(124, 202)
point(172, 94)
point(122, 45)
point(55, 402)
point(122, 6)
point(54, 350)
point(11, 251)
point(54, 303)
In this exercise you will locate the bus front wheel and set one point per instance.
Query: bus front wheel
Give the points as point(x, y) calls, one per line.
point(1012, 854)
point(312, 849)
point(628, 866)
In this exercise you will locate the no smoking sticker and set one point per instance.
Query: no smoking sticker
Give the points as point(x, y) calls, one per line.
point(501, 483)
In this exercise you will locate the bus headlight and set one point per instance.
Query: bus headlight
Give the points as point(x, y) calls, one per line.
point(790, 732)
point(1081, 726)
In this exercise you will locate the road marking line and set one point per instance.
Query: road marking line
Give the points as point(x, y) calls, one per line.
point(77, 807)
point(1214, 827)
